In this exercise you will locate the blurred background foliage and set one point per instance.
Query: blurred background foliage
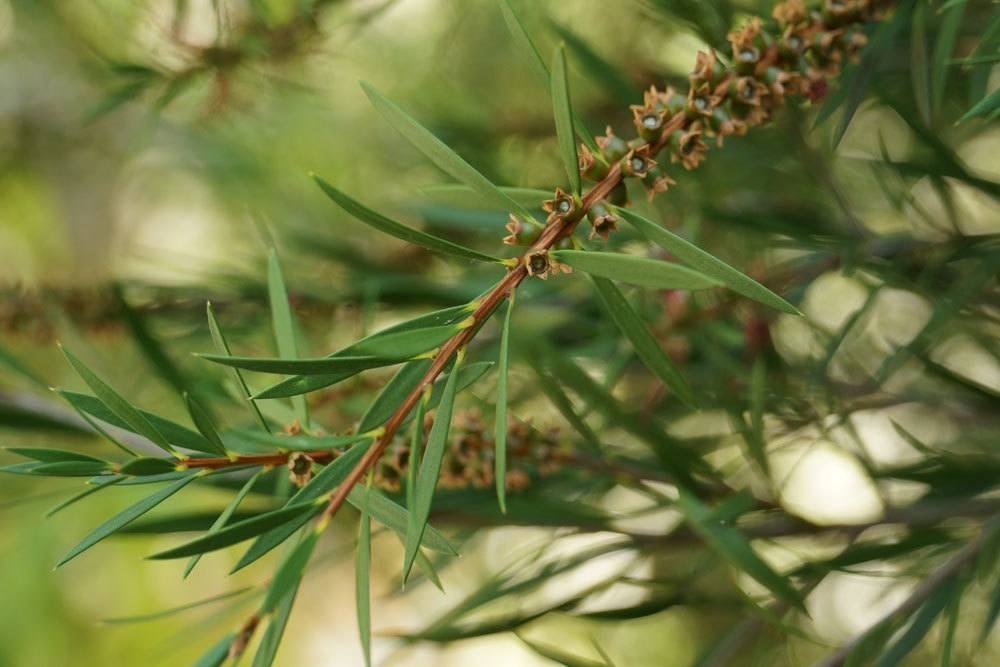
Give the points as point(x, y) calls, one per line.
point(152, 152)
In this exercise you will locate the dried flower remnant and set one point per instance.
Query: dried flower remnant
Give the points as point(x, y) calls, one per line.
point(300, 468)
point(560, 206)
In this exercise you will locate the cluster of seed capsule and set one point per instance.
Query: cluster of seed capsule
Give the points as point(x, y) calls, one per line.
point(798, 56)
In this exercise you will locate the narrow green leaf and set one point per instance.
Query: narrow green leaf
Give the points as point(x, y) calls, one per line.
point(226, 515)
point(289, 574)
point(649, 351)
point(944, 46)
point(284, 327)
point(500, 420)
point(755, 437)
point(126, 516)
point(142, 618)
point(706, 263)
point(985, 107)
point(919, 70)
point(222, 347)
point(954, 606)
point(240, 531)
point(398, 229)
point(468, 374)
point(71, 468)
point(641, 271)
point(609, 78)
point(205, 425)
point(553, 391)
point(83, 494)
point(406, 344)
point(921, 624)
point(143, 466)
point(150, 347)
point(217, 654)
point(362, 574)
point(440, 154)
point(538, 67)
point(173, 432)
point(430, 469)
point(311, 366)
point(395, 517)
point(305, 384)
point(269, 643)
point(9, 360)
point(117, 404)
point(393, 394)
point(50, 455)
point(563, 111)
point(460, 195)
point(735, 548)
point(246, 439)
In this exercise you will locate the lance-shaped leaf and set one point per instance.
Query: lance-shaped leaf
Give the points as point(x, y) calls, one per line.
point(71, 468)
point(268, 648)
point(398, 229)
point(148, 466)
point(205, 425)
point(731, 544)
point(458, 194)
point(395, 517)
point(172, 431)
point(440, 154)
point(241, 530)
point(127, 516)
point(306, 383)
point(406, 344)
point(649, 351)
point(944, 46)
point(267, 442)
point(563, 111)
point(311, 366)
point(641, 271)
point(289, 574)
point(284, 326)
point(500, 420)
point(222, 347)
point(226, 515)
point(537, 64)
point(430, 468)
point(919, 68)
point(706, 263)
point(51, 455)
point(393, 394)
point(83, 494)
point(987, 106)
point(362, 574)
point(117, 405)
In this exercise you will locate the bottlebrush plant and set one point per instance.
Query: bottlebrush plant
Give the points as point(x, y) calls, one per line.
point(658, 331)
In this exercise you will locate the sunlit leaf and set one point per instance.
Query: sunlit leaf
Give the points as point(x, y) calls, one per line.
point(313, 366)
point(217, 654)
point(50, 455)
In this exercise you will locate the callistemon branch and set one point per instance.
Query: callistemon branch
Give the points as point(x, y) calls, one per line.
point(799, 57)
